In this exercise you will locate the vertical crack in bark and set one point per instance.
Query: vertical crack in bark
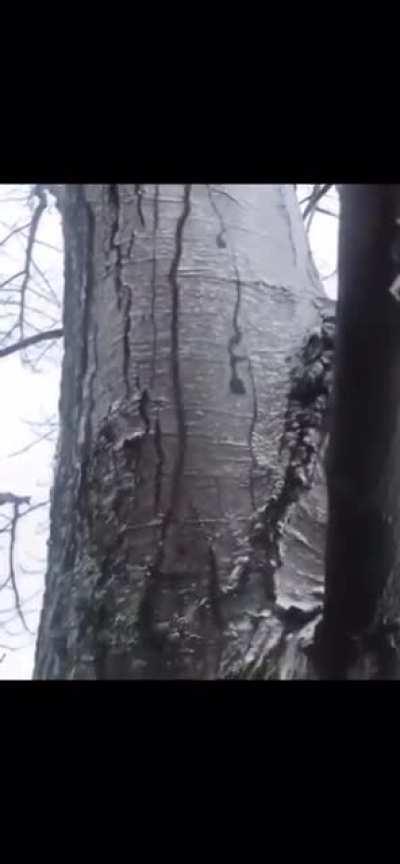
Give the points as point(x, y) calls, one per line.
point(252, 427)
point(91, 407)
point(143, 409)
point(175, 365)
point(115, 205)
point(146, 611)
point(121, 287)
point(159, 466)
point(86, 378)
point(236, 383)
point(130, 245)
point(154, 285)
point(126, 347)
point(91, 402)
point(139, 195)
point(220, 241)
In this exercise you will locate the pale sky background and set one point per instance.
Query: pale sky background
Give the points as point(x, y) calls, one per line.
point(30, 400)
point(28, 397)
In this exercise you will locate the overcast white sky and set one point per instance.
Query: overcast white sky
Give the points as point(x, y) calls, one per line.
point(27, 398)
point(31, 397)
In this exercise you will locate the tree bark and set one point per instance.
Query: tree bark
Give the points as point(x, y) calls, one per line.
point(188, 510)
point(360, 632)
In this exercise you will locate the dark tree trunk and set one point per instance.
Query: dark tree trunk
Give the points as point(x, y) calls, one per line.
point(360, 632)
point(188, 511)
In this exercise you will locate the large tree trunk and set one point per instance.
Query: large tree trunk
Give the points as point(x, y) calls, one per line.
point(362, 612)
point(188, 512)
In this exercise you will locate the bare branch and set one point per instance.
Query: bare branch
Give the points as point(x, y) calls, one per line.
point(41, 207)
point(319, 190)
point(10, 498)
point(32, 340)
point(17, 230)
point(12, 569)
point(44, 437)
point(34, 507)
point(330, 275)
point(327, 212)
point(53, 294)
point(11, 278)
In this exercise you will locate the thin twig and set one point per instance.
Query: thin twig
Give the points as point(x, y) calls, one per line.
point(11, 278)
point(319, 190)
point(41, 207)
point(17, 230)
point(53, 294)
point(329, 275)
point(46, 435)
point(327, 212)
point(12, 569)
point(34, 507)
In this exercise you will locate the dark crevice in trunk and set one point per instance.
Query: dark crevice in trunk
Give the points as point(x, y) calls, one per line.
point(154, 283)
point(126, 357)
point(236, 384)
point(139, 195)
point(115, 246)
point(220, 238)
point(146, 618)
point(159, 465)
point(175, 367)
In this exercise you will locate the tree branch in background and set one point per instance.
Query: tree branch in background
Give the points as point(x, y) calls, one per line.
point(14, 231)
point(38, 190)
point(30, 321)
point(27, 299)
point(13, 535)
point(326, 212)
point(11, 278)
point(45, 335)
point(319, 190)
point(16, 501)
point(10, 498)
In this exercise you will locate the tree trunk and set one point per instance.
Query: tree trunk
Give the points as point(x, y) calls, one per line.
point(362, 613)
point(188, 510)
